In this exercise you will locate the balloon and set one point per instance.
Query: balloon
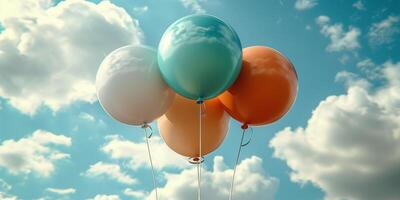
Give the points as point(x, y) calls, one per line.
point(179, 127)
point(265, 89)
point(199, 56)
point(130, 87)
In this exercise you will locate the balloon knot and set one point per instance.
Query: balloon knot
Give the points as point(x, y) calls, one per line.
point(199, 101)
point(196, 160)
point(245, 126)
point(145, 125)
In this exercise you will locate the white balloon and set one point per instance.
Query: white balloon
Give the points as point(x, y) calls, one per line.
point(130, 87)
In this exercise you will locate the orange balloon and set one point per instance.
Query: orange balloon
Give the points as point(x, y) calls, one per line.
point(265, 89)
point(179, 126)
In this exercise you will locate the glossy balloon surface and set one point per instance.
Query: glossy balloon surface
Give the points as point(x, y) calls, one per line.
point(265, 89)
point(130, 87)
point(200, 56)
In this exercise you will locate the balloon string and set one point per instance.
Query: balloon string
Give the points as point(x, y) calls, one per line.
point(198, 179)
point(237, 159)
point(145, 126)
point(200, 144)
point(200, 148)
point(203, 111)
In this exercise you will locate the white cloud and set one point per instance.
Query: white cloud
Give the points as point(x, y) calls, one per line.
point(111, 171)
point(369, 68)
point(389, 96)
point(44, 137)
point(341, 40)
point(136, 153)
point(106, 197)
point(36, 153)
point(344, 59)
point(139, 10)
point(350, 147)
point(359, 5)
point(251, 182)
point(87, 116)
point(323, 19)
point(50, 55)
point(384, 32)
point(66, 191)
point(4, 196)
point(4, 186)
point(194, 5)
point(22, 9)
point(135, 194)
point(305, 4)
point(351, 79)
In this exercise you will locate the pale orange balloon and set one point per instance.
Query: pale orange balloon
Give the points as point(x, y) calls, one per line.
point(179, 126)
point(265, 89)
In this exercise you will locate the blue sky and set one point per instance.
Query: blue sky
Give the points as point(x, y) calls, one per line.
point(343, 140)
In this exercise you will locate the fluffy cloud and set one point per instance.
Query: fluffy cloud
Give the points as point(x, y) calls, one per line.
point(359, 5)
point(251, 182)
point(136, 153)
point(389, 95)
point(340, 39)
point(111, 171)
point(87, 116)
point(4, 186)
point(305, 4)
point(49, 55)
point(384, 32)
point(369, 68)
point(22, 9)
point(106, 197)
point(139, 10)
point(66, 191)
point(36, 153)
point(135, 194)
point(4, 196)
point(350, 147)
point(193, 5)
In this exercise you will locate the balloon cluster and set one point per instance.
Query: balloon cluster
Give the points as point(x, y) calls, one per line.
point(200, 58)
point(199, 64)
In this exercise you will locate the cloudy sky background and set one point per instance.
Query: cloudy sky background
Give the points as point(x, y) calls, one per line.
point(341, 139)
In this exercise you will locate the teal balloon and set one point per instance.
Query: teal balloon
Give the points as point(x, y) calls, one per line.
point(200, 56)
